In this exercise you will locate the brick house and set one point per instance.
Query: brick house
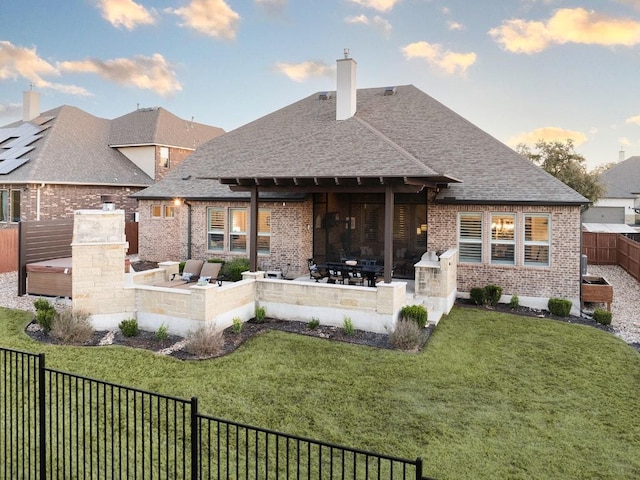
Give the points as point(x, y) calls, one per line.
point(55, 162)
point(382, 173)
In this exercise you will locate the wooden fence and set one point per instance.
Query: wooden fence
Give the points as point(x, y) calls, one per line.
point(9, 250)
point(613, 249)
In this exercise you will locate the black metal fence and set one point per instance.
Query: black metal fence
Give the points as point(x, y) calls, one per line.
point(56, 425)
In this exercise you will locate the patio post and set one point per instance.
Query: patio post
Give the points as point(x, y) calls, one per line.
point(253, 230)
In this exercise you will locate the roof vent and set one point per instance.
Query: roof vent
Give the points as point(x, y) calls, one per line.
point(389, 91)
point(324, 96)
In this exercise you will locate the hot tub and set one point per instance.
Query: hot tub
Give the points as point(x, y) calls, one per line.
point(51, 278)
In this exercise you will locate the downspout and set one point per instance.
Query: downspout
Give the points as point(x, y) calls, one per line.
point(188, 229)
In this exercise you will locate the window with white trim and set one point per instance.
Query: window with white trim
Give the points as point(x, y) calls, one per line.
point(215, 229)
point(237, 229)
point(164, 157)
point(264, 231)
point(537, 240)
point(503, 244)
point(4, 206)
point(169, 211)
point(156, 211)
point(470, 237)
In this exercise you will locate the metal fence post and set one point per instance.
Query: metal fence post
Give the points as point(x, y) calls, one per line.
point(194, 439)
point(42, 428)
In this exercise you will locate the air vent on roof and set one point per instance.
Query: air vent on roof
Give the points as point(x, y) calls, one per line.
point(389, 91)
point(324, 96)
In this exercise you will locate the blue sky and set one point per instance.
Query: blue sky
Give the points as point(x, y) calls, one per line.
point(519, 69)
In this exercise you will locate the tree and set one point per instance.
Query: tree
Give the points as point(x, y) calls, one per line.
point(561, 160)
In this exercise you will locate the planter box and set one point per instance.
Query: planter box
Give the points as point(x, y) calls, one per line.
point(597, 290)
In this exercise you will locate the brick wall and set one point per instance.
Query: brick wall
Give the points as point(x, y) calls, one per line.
point(560, 279)
point(162, 239)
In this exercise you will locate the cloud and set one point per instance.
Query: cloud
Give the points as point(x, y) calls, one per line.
point(125, 13)
point(379, 23)
point(10, 109)
point(210, 17)
point(380, 5)
point(435, 55)
point(451, 25)
point(274, 7)
point(299, 72)
point(548, 134)
point(635, 120)
point(567, 25)
point(20, 62)
point(624, 141)
point(150, 73)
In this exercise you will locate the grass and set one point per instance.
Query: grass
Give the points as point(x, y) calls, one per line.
point(491, 396)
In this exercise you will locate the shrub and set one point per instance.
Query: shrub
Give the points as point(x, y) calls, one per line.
point(478, 295)
point(347, 326)
point(492, 294)
point(45, 313)
point(515, 301)
point(73, 328)
point(260, 315)
point(181, 267)
point(313, 323)
point(407, 336)
point(207, 340)
point(415, 313)
point(559, 306)
point(162, 333)
point(602, 316)
point(232, 271)
point(129, 327)
point(237, 325)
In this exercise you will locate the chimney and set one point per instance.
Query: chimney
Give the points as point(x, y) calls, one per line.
point(346, 87)
point(621, 156)
point(30, 105)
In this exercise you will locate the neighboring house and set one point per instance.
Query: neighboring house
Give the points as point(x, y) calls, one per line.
point(620, 202)
point(378, 173)
point(64, 159)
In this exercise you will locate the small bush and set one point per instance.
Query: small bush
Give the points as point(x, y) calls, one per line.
point(313, 323)
point(181, 267)
point(205, 341)
point(492, 294)
point(347, 326)
point(478, 295)
point(408, 335)
point(260, 315)
point(415, 313)
point(237, 325)
point(129, 327)
point(602, 316)
point(73, 328)
point(559, 307)
point(162, 334)
point(45, 313)
point(232, 271)
point(515, 301)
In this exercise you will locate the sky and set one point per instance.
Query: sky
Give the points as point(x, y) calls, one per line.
point(521, 70)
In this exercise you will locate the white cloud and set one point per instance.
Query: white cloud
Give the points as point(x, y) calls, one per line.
point(635, 120)
point(567, 25)
point(624, 141)
point(451, 25)
point(548, 134)
point(20, 62)
point(150, 73)
point(299, 72)
point(435, 55)
point(272, 6)
point(210, 17)
point(10, 110)
point(125, 13)
point(379, 23)
point(380, 5)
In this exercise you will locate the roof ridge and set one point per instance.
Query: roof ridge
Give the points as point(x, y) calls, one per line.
point(393, 144)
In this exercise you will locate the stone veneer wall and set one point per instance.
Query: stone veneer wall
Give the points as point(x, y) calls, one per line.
point(162, 239)
point(560, 279)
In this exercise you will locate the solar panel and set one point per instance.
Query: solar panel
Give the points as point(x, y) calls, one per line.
point(22, 141)
point(7, 166)
point(13, 153)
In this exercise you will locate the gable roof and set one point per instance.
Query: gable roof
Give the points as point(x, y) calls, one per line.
point(623, 179)
point(157, 126)
point(406, 137)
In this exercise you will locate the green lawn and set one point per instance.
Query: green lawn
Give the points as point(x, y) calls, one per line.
point(491, 396)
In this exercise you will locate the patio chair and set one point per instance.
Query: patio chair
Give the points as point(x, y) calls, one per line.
point(210, 273)
point(355, 276)
point(315, 273)
point(190, 273)
point(336, 275)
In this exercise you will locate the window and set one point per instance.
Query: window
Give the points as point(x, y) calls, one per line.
point(215, 229)
point(238, 229)
point(15, 205)
point(536, 240)
point(4, 206)
point(156, 211)
point(503, 243)
point(164, 157)
point(470, 237)
point(264, 231)
point(169, 211)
